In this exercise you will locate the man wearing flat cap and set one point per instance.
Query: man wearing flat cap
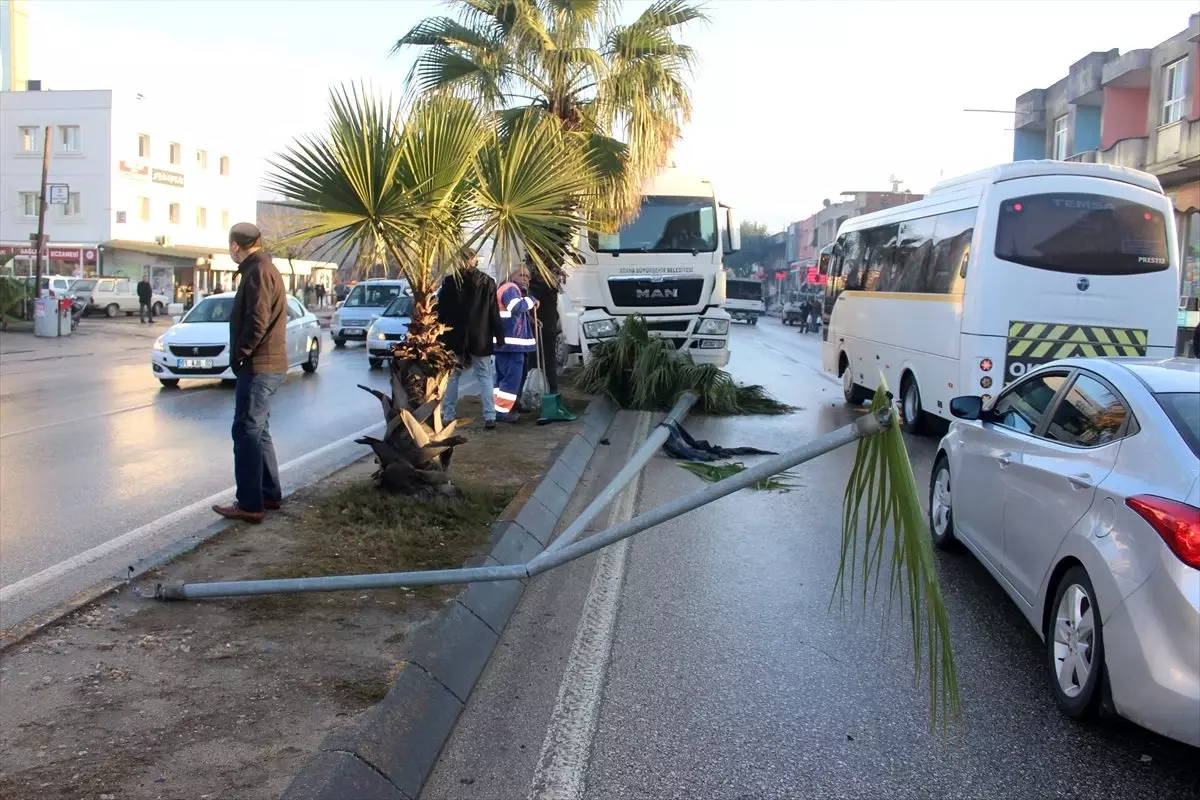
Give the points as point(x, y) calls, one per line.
point(258, 356)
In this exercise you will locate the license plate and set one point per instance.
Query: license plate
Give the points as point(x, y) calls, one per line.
point(195, 363)
point(353, 331)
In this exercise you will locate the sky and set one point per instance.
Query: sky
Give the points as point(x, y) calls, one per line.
point(794, 101)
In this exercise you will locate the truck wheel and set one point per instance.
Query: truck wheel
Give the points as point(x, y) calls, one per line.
point(913, 414)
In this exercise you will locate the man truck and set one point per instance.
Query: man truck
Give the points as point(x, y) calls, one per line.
point(666, 265)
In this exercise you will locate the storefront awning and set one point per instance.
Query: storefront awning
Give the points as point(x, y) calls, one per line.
point(152, 249)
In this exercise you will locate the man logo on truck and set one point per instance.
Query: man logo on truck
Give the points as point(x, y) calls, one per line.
point(656, 294)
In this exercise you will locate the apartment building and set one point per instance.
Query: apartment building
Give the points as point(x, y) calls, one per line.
point(143, 191)
point(1138, 109)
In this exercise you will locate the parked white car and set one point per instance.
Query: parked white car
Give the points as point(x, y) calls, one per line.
point(1078, 489)
point(390, 326)
point(111, 296)
point(198, 345)
point(362, 306)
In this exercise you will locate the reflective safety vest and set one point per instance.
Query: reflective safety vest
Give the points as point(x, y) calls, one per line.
point(515, 313)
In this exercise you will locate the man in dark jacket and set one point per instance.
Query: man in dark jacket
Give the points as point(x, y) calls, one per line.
point(258, 356)
point(467, 304)
point(145, 293)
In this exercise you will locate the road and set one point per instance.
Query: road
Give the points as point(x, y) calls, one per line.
point(102, 467)
point(702, 658)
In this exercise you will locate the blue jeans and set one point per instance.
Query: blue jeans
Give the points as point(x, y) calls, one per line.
point(254, 466)
point(481, 368)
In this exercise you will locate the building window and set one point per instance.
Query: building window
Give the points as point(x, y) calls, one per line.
point(1175, 90)
point(201, 217)
point(72, 208)
point(28, 139)
point(30, 204)
point(224, 220)
point(1060, 138)
point(144, 209)
point(69, 138)
point(202, 159)
point(173, 213)
point(176, 153)
point(224, 165)
point(143, 145)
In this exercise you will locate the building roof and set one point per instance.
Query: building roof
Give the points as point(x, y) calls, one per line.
point(152, 249)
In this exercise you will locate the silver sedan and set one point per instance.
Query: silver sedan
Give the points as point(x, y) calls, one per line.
point(1078, 488)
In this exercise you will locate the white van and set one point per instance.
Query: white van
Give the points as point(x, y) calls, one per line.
point(996, 272)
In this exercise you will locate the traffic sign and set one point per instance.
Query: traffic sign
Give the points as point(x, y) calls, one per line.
point(60, 193)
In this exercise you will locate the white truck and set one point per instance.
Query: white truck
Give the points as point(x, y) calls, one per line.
point(744, 299)
point(665, 265)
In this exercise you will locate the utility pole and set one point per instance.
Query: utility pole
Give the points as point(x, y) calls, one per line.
point(42, 206)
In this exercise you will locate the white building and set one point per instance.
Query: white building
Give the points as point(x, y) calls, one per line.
point(146, 190)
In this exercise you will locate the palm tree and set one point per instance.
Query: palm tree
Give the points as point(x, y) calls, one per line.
point(417, 186)
point(620, 90)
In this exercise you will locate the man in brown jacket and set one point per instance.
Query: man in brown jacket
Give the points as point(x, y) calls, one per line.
point(258, 356)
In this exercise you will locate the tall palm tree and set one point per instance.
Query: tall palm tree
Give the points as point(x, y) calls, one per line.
point(417, 185)
point(620, 89)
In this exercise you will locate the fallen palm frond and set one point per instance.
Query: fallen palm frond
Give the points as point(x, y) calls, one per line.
point(719, 472)
point(882, 493)
point(639, 371)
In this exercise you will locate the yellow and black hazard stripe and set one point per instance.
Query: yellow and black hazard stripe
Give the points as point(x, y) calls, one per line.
point(1046, 341)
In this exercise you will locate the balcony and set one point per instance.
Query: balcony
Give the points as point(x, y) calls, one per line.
point(1084, 81)
point(1131, 70)
point(1125, 153)
point(1031, 110)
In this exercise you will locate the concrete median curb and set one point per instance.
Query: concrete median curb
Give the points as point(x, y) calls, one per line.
point(393, 749)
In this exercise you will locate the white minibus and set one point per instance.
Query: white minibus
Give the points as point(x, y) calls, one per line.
point(996, 272)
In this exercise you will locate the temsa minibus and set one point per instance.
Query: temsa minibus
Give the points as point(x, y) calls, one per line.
point(996, 272)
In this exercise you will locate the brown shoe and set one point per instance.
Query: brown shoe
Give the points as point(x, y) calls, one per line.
point(233, 512)
point(272, 505)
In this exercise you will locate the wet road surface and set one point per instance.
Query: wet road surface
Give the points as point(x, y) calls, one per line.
point(703, 660)
point(102, 466)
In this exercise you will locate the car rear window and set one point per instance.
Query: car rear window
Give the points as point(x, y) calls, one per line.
point(1183, 409)
point(1087, 234)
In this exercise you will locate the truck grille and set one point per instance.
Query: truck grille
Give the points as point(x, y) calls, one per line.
point(197, 350)
point(651, 292)
point(680, 325)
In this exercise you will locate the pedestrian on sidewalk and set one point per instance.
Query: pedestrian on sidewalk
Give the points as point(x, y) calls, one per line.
point(320, 295)
point(258, 356)
point(467, 306)
point(145, 294)
point(516, 312)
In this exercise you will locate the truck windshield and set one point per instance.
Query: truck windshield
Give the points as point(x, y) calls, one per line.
point(743, 290)
point(665, 224)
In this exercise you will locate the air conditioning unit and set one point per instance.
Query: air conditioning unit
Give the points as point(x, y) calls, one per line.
point(162, 241)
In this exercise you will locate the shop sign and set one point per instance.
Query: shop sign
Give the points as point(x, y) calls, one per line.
point(63, 253)
point(131, 169)
point(169, 178)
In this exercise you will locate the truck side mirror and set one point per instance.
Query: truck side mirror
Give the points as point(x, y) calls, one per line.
point(733, 241)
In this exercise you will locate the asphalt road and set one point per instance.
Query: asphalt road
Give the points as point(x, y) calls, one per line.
point(703, 660)
point(102, 467)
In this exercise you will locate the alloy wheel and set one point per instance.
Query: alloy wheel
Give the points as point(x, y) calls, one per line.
point(1074, 640)
point(939, 511)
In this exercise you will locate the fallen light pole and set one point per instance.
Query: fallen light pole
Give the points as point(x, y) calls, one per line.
point(562, 550)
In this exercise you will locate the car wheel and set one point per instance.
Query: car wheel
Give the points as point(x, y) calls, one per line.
point(158, 309)
point(1075, 645)
point(855, 395)
point(375, 363)
point(913, 414)
point(314, 357)
point(338, 342)
point(562, 352)
point(169, 383)
point(112, 310)
point(941, 512)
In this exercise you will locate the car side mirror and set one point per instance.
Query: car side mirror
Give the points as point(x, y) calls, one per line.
point(340, 303)
point(969, 407)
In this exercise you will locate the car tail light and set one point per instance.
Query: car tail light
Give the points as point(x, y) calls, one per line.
point(1177, 523)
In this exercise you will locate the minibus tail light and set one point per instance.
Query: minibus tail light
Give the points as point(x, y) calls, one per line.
point(986, 365)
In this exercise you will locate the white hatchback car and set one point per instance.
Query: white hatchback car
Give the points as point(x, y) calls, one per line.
point(1078, 489)
point(390, 326)
point(197, 346)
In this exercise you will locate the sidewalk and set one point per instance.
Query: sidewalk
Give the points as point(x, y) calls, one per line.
point(94, 335)
point(134, 698)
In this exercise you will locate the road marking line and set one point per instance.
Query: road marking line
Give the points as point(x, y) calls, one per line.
point(567, 749)
point(820, 372)
point(16, 591)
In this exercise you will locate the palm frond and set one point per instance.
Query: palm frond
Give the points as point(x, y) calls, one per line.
point(882, 496)
point(783, 482)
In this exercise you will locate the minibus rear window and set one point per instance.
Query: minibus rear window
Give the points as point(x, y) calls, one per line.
point(1088, 234)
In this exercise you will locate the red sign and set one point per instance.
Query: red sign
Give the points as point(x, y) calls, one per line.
point(62, 253)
